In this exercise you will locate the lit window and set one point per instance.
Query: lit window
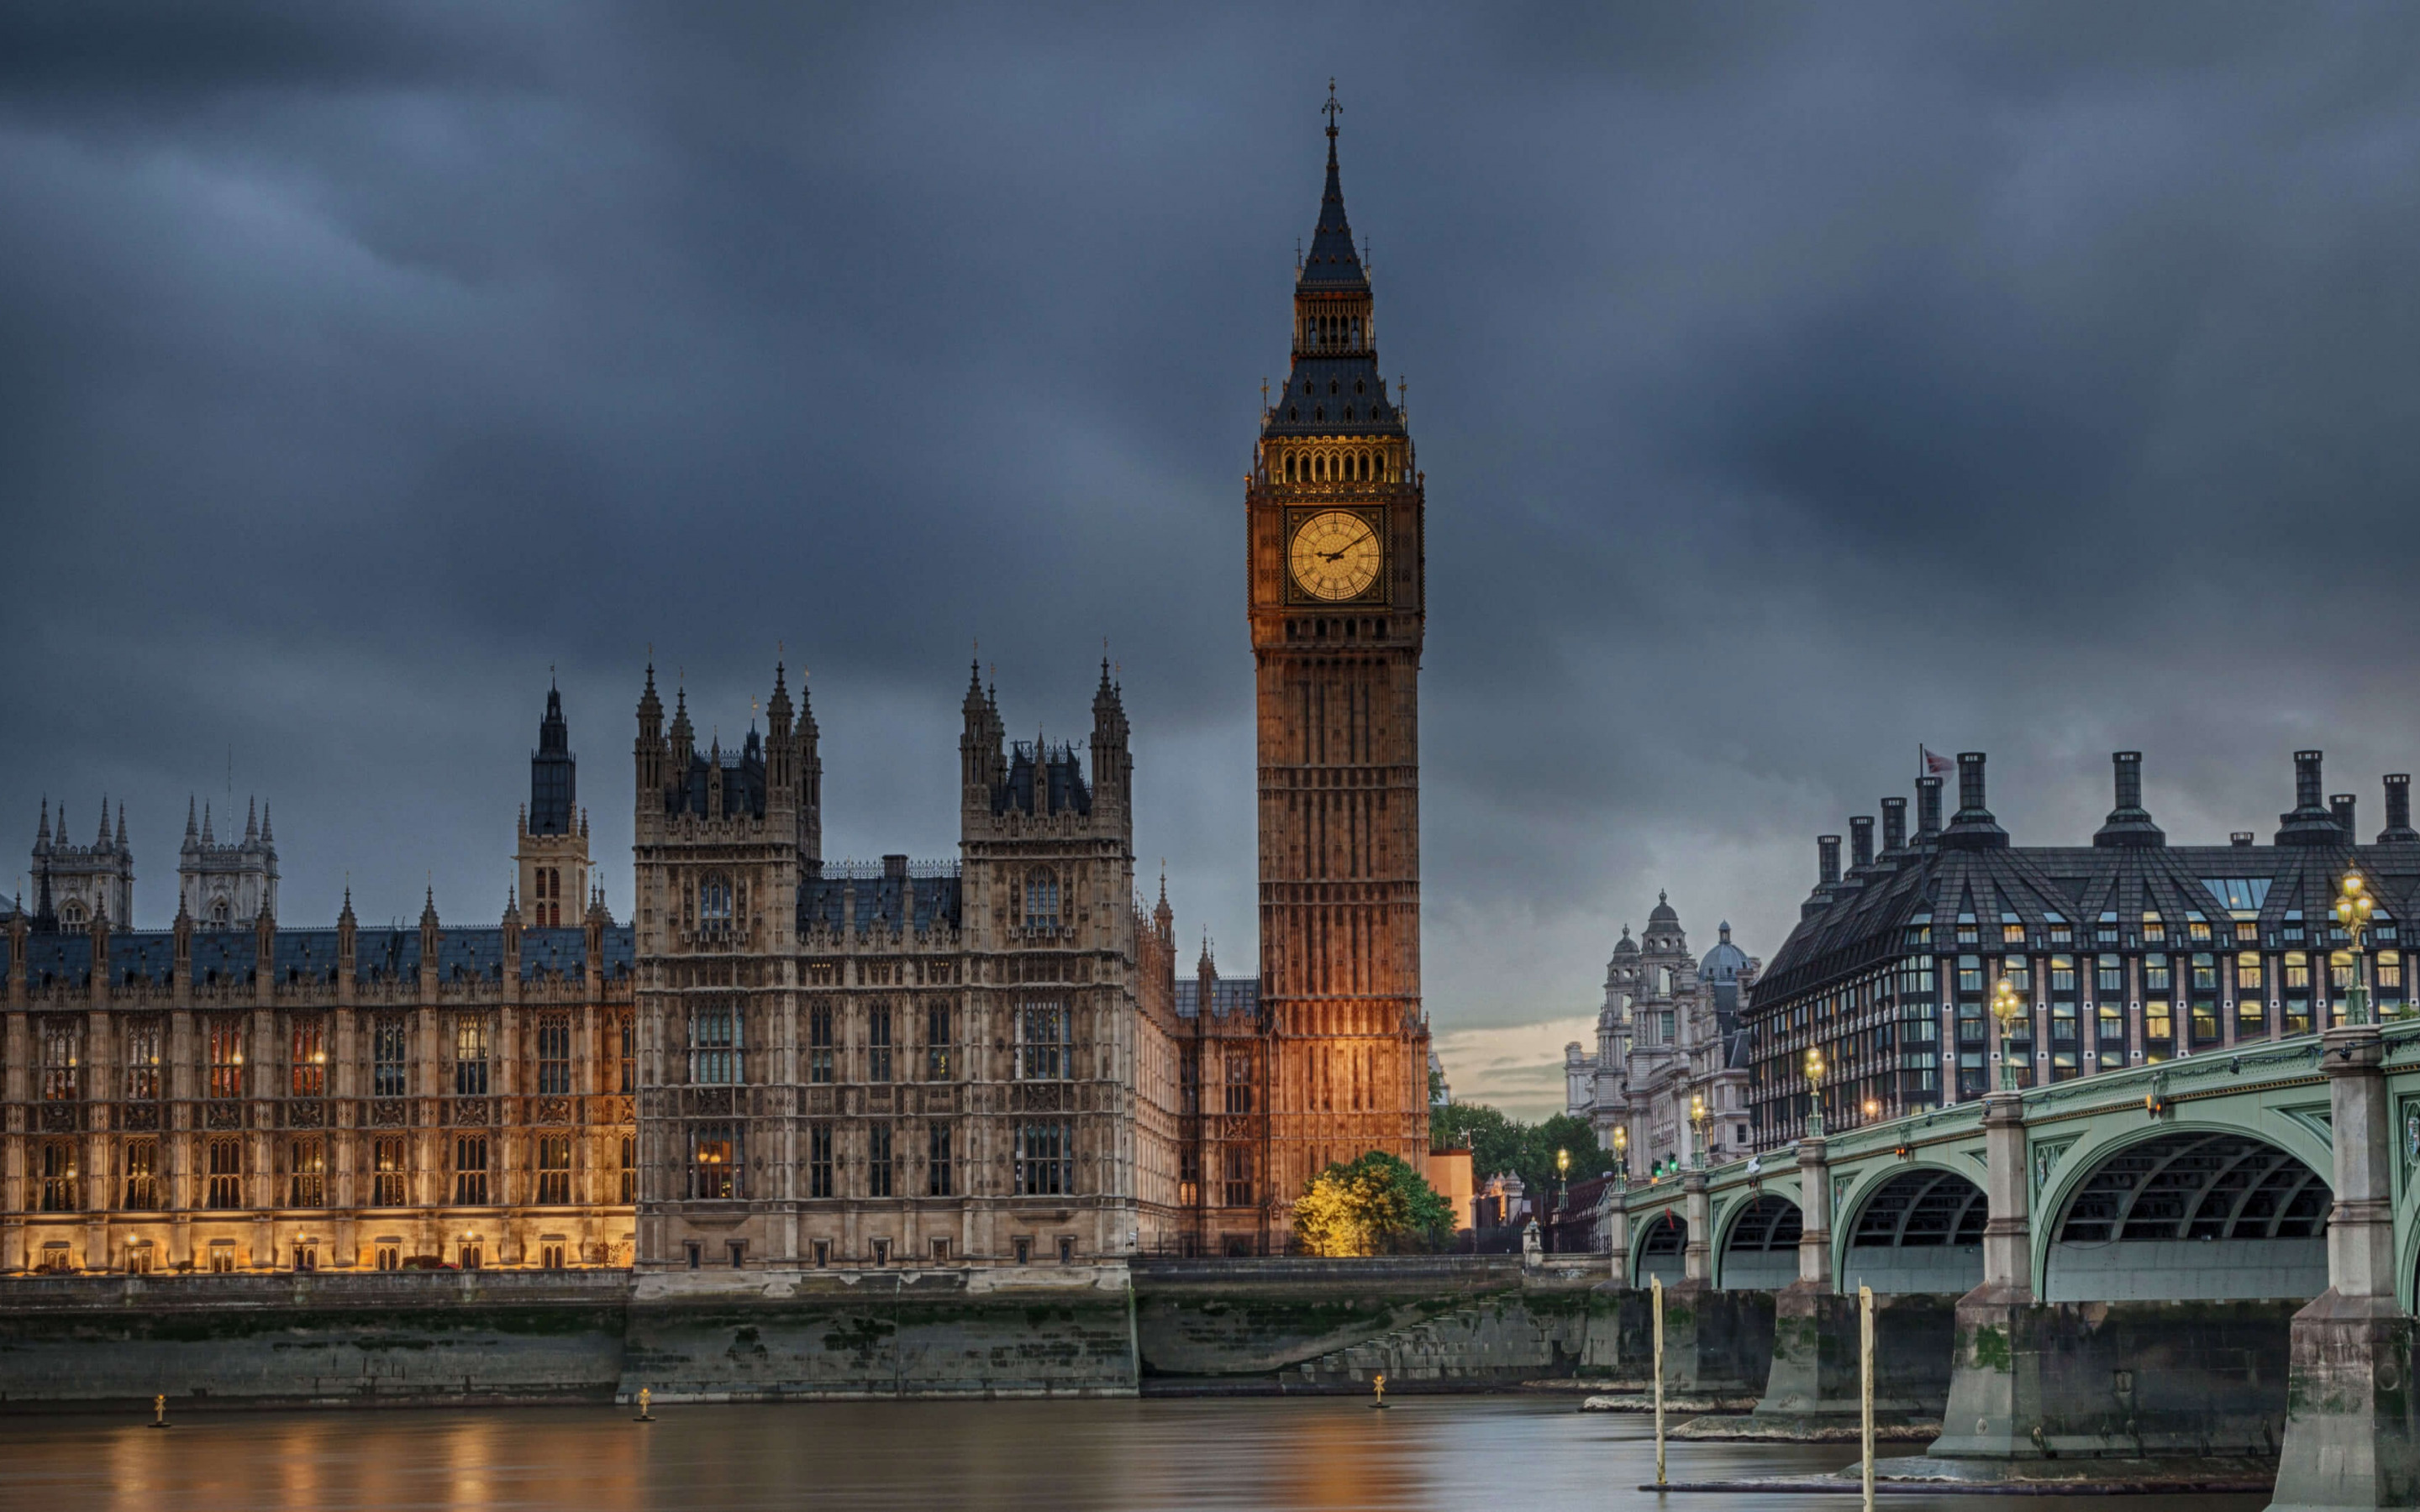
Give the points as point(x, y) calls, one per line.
point(306, 1170)
point(714, 1162)
point(143, 1174)
point(143, 1060)
point(226, 1186)
point(471, 1057)
point(61, 1190)
point(306, 1061)
point(937, 1041)
point(62, 1060)
point(386, 1173)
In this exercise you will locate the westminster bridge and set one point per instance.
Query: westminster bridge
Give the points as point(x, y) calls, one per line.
point(2203, 1256)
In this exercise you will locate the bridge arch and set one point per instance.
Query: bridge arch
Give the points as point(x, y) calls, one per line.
point(2201, 1212)
point(1915, 1226)
point(1656, 1249)
point(1758, 1248)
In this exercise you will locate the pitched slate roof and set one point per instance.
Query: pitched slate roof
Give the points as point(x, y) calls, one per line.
point(1849, 926)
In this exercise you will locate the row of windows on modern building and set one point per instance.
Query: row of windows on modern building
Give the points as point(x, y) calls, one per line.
point(1881, 1033)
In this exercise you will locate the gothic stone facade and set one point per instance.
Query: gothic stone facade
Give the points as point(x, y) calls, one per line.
point(965, 1063)
point(293, 1099)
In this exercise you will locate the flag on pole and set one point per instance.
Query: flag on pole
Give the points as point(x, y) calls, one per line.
point(1934, 765)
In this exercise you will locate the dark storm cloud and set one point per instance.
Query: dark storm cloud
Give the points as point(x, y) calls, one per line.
point(1793, 385)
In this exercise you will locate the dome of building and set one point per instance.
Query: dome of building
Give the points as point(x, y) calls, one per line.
point(1663, 914)
point(1625, 946)
point(1724, 962)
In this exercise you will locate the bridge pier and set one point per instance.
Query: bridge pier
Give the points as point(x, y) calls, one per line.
point(1813, 1385)
point(1715, 1343)
point(1995, 1386)
point(2352, 1419)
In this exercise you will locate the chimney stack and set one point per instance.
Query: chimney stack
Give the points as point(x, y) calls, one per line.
point(1861, 845)
point(1971, 827)
point(1827, 860)
point(2241, 837)
point(2129, 822)
point(2398, 830)
point(1928, 807)
point(2341, 806)
point(1893, 826)
point(2307, 823)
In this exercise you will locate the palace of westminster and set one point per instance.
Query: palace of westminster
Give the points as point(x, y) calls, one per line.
point(775, 1061)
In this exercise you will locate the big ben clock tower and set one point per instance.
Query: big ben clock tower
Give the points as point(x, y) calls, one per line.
point(1335, 560)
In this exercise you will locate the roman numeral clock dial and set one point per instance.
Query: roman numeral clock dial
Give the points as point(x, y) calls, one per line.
point(1334, 555)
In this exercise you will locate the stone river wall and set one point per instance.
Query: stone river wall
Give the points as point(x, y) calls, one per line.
point(1162, 1327)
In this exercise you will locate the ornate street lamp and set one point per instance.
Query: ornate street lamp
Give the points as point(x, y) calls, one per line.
point(1621, 1154)
point(1873, 1109)
point(1813, 1065)
point(1698, 1122)
point(2353, 907)
point(2008, 1007)
point(1562, 1187)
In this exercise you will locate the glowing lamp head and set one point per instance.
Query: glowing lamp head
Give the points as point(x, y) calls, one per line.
point(1621, 1138)
point(1814, 1064)
point(1562, 1161)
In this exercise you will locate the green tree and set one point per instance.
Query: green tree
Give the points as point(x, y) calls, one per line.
point(1499, 1143)
point(1368, 1205)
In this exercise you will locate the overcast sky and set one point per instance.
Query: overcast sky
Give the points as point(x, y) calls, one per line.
point(1795, 385)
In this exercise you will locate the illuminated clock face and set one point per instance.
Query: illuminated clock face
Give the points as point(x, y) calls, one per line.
point(1334, 555)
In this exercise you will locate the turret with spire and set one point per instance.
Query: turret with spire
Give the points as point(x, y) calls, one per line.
point(75, 884)
point(227, 887)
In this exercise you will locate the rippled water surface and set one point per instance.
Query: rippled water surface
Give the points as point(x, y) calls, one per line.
point(1528, 1453)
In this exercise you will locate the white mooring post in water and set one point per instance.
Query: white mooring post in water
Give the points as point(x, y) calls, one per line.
point(1866, 1386)
point(1655, 1291)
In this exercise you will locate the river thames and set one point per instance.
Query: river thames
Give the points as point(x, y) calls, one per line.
point(1533, 1454)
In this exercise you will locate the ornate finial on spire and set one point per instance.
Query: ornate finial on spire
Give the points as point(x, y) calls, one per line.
point(1331, 110)
point(1661, 896)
